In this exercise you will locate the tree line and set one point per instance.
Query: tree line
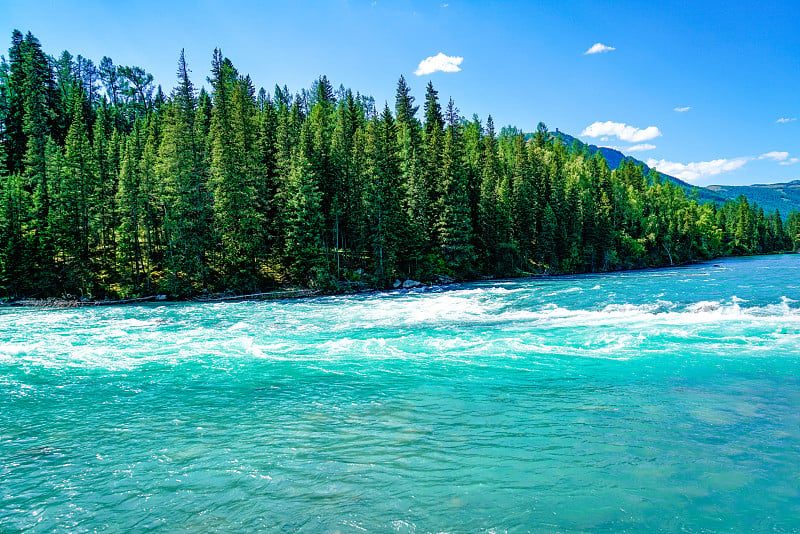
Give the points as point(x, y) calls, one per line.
point(111, 188)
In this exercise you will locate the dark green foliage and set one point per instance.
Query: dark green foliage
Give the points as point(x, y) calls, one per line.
point(110, 187)
point(434, 122)
point(139, 88)
point(76, 200)
point(130, 204)
point(235, 176)
point(454, 224)
point(305, 250)
point(186, 200)
point(404, 106)
point(382, 197)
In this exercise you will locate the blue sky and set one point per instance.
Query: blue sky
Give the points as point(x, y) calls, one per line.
point(709, 92)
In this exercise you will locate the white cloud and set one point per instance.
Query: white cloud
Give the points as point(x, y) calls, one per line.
point(781, 157)
point(634, 148)
point(784, 120)
point(774, 156)
point(683, 110)
point(439, 63)
point(640, 148)
point(622, 131)
point(598, 48)
point(697, 170)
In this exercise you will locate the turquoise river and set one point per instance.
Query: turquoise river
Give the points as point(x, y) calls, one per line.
point(639, 401)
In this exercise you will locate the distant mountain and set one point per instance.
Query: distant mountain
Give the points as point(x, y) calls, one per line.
point(771, 197)
point(782, 197)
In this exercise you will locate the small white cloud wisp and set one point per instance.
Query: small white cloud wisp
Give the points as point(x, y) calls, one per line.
point(621, 131)
point(784, 120)
point(439, 63)
point(781, 157)
point(774, 155)
point(598, 48)
point(697, 170)
point(641, 148)
point(683, 109)
point(625, 149)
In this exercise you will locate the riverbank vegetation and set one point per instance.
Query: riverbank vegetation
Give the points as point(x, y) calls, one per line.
point(109, 187)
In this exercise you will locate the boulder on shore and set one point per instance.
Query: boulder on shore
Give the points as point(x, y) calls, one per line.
point(409, 284)
point(397, 284)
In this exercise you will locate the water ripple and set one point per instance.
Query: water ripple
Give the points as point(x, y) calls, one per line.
point(657, 400)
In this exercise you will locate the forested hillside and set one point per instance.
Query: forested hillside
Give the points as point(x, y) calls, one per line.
point(784, 197)
point(614, 158)
point(110, 188)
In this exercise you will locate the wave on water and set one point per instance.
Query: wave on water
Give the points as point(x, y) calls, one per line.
point(17, 349)
point(509, 319)
point(464, 310)
point(564, 291)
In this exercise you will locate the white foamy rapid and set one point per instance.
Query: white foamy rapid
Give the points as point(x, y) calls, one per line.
point(624, 316)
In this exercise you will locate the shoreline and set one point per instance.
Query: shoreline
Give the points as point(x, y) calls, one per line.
point(162, 299)
point(302, 293)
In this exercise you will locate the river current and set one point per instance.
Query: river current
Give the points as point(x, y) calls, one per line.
point(651, 400)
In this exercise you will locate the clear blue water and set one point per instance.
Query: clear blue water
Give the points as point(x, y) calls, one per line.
point(639, 401)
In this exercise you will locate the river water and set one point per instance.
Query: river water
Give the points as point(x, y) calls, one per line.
point(663, 399)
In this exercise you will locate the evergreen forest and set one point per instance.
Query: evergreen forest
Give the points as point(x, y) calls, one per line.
point(112, 188)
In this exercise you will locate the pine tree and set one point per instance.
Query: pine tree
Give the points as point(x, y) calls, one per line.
point(138, 88)
point(15, 139)
point(383, 197)
point(76, 196)
point(131, 201)
point(454, 223)
point(323, 92)
point(111, 80)
point(415, 190)
point(320, 123)
point(37, 88)
point(493, 223)
point(404, 103)
point(434, 122)
point(524, 201)
point(542, 137)
point(153, 213)
point(305, 254)
point(4, 116)
point(428, 191)
point(793, 230)
point(235, 171)
point(17, 269)
point(407, 113)
point(185, 204)
point(347, 210)
point(105, 148)
point(547, 240)
point(744, 233)
point(473, 153)
point(268, 185)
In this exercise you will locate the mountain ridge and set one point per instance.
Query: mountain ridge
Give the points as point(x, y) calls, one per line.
point(783, 197)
